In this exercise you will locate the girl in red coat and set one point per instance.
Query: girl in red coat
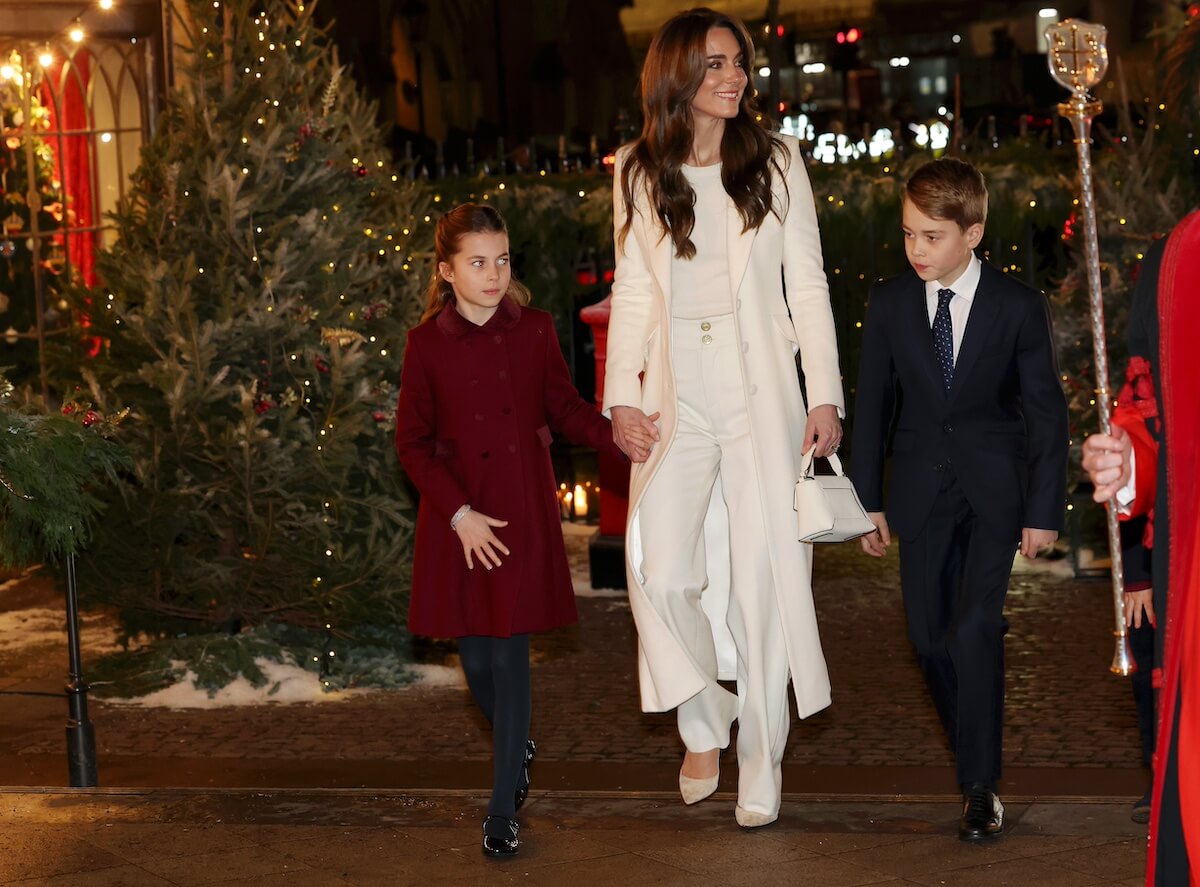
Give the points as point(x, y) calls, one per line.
point(484, 388)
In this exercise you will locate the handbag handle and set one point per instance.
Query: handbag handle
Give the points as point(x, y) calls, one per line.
point(806, 463)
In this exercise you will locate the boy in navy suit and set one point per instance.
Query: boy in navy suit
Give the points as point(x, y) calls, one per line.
point(958, 359)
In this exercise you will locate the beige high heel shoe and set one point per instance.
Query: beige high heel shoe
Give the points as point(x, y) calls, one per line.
point(695, 790)
point(750, 819)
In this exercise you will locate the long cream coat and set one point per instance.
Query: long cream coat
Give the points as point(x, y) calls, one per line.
point(638, 342)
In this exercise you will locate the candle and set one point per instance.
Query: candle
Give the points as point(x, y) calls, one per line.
point(580, 501)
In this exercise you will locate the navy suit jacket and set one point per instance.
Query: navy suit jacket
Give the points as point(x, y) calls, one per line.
point(1001, 428)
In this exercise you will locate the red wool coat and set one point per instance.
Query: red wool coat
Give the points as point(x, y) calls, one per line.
point(478, 406)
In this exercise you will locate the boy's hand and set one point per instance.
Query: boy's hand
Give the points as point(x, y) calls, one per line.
point(876, 544)
point(1033, 541)
point(475, 533)
point(1106, 459)
point(1137, 603)
point(634, 432)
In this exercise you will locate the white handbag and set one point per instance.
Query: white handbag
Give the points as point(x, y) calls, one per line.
point(827, 507)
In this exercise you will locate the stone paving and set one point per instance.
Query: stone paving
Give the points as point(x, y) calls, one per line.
point(1065, 712)
point(321, 839)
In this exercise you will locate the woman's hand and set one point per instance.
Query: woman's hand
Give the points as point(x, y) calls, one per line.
point(824, 429)
point(634, 432)
point(475, 533)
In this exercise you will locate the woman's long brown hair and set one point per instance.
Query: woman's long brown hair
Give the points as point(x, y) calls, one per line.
point(468, 218)
point(750, 155)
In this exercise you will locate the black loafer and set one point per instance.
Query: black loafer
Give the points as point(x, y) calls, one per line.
point(500, 836)
point(983, 814)
point(523, 788)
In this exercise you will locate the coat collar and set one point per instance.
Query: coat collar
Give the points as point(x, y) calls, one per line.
point(453, 324)
point(738, 245)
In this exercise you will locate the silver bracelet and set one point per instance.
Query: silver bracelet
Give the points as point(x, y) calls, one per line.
point(459, 515)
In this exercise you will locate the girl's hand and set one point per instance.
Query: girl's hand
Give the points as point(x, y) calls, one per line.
point(1138, 603)
point(475, 533)
point(634, 432)
point(824, 429)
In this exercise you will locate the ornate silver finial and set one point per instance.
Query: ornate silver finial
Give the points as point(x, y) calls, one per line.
point(1078, 56)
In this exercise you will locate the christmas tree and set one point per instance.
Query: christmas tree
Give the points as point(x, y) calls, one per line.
point(50, 469)
point(25, 155)
point(252, 314)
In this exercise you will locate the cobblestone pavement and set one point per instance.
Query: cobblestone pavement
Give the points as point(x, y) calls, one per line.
point(1064, 709)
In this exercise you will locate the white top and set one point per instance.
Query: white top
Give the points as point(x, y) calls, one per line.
point(960, 305)
point(700, 285)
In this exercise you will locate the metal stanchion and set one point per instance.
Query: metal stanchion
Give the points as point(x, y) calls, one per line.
point(81, 739)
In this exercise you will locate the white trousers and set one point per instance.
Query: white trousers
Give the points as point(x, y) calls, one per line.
point(711, 455)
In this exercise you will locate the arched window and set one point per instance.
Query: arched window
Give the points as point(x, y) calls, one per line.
point(75, 113)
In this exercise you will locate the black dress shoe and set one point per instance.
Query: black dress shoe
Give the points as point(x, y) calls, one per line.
point(1141, 810)
point(523, 787)
point(500, 836)
point(983, 814)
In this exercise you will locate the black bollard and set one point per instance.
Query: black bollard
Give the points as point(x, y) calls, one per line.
point(81, 739)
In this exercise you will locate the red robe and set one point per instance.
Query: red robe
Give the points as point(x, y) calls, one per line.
point(1178, 743)
point(477, 408)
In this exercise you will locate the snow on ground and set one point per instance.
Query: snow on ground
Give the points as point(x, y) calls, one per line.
point(429, 675)
point(583, 588)
point(286, 683)
point(37, 626)
point(1060, 567)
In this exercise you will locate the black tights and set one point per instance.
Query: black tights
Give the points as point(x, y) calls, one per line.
point(497, 672)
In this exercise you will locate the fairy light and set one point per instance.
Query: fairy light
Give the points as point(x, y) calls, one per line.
point(76, 34)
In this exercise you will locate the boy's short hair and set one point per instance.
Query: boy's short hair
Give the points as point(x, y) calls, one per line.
point(950, 190)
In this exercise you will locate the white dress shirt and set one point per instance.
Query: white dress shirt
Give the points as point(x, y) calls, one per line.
point(960, 306)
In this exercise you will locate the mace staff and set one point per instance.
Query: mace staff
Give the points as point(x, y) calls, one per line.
point(1078, 59)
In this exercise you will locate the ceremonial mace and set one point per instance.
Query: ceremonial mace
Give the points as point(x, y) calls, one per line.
point(1078, 59)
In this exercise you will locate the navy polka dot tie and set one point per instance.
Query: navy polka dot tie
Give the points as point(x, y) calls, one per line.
point(943, 337)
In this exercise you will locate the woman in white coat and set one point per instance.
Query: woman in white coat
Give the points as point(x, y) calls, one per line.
point(715, 221)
